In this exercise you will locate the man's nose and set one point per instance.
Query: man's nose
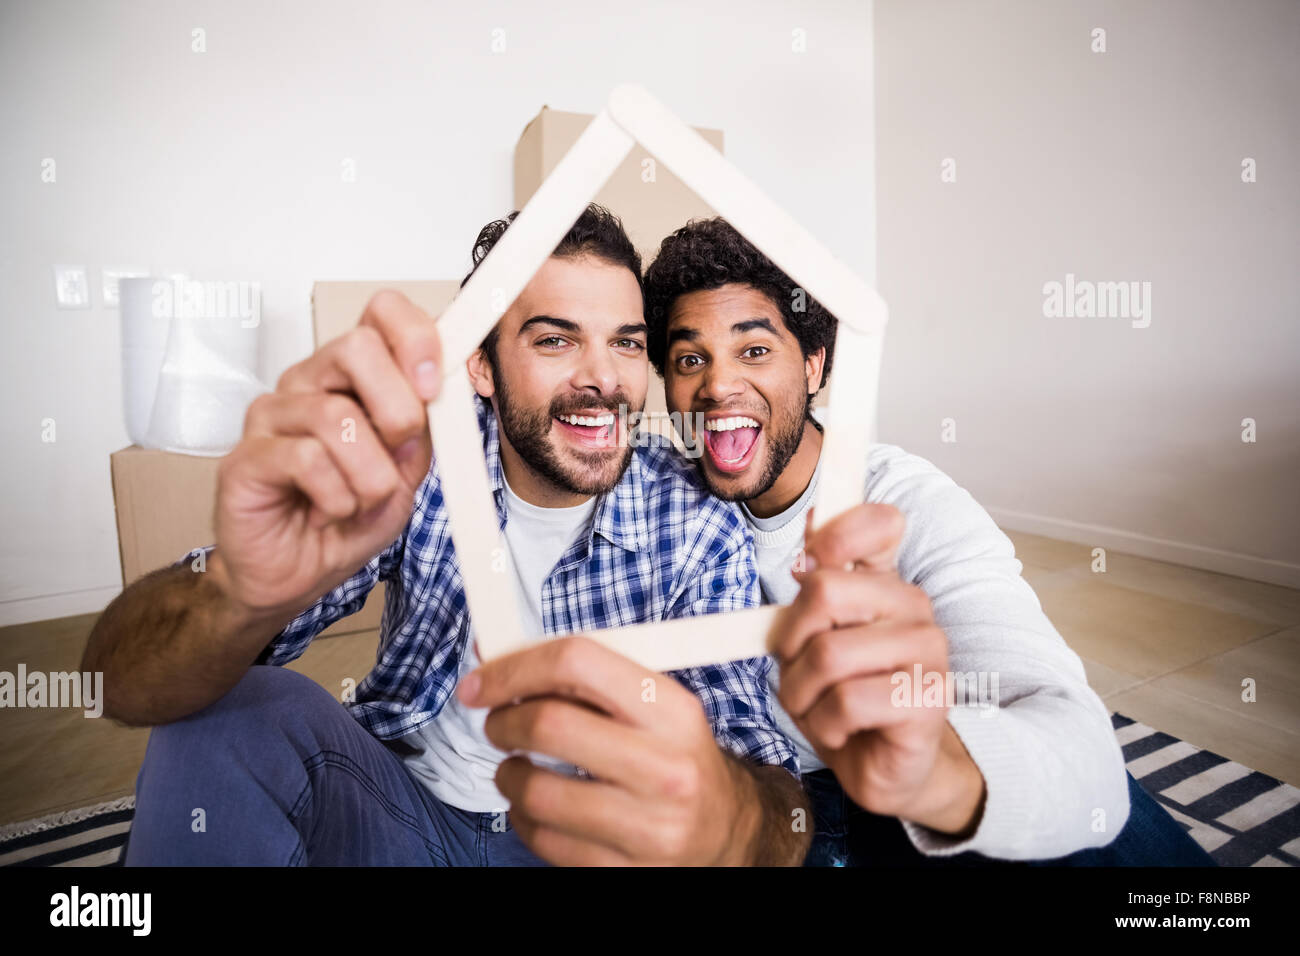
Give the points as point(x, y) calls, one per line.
point(596, 371)
point(720, 384)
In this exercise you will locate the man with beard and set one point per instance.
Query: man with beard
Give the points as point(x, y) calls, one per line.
point(633, 767)
point(917, 586)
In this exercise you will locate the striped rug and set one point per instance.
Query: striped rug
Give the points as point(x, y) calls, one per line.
point(1241, 818)
point(87, 836)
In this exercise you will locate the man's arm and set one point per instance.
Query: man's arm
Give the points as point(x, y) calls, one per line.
point(172, 643)
point(774, 823)
point(175, 641)
point(779, 820)
point(1035, 735)
point(322, 480)
point(1055, 774)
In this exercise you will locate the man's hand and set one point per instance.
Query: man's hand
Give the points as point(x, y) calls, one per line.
point(663, 793)
point(325, 475)
point(855, 624)
point(322, 480)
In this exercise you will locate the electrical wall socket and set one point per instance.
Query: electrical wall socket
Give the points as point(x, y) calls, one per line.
point(71, 287)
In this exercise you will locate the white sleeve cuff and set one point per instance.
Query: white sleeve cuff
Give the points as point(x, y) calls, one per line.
point(1006, 810)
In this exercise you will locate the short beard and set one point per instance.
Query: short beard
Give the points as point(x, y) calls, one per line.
point(528, 432)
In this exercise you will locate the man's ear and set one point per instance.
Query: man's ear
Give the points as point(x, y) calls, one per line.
point(812, 369)
point(480, 373)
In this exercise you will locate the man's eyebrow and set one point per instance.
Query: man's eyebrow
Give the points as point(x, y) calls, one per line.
point(565, 325)
point(679, 335)
point(737, 328)
point(631, 328)
point(748, 325)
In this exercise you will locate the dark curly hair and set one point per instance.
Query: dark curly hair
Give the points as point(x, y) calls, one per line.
point(709, 253)
point(597, 232)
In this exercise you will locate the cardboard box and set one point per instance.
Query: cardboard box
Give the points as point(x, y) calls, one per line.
point(337, 306)
point(164, 510)
point(649, 210)
point(164, 506)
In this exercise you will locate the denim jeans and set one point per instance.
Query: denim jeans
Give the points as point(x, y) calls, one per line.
point(278, 773)
point(848, 835)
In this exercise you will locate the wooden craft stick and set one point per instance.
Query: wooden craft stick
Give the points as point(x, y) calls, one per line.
point(634, 116)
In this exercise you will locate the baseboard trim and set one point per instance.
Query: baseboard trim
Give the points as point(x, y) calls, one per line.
point(1158, 549)
point(49, 606)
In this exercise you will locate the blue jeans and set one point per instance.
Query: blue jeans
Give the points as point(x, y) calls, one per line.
point(847, 835)
point(278, 773)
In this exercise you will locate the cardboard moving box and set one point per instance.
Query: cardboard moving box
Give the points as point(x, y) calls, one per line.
point(164, 511)
point(650, 200)
point(164, 506)
point(336, 307)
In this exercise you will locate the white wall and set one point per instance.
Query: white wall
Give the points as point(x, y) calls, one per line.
point(1123, 165)
point(226, 164)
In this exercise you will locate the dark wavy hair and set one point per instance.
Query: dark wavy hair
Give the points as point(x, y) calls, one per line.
point(597, 232)
point(710, 253)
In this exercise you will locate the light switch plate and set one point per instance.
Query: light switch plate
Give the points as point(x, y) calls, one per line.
point(71, 287)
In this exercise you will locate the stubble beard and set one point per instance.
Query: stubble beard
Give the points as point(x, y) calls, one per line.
point(529, 433)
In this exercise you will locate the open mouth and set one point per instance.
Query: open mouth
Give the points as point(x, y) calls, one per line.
point(590, 431)
point(731, 442)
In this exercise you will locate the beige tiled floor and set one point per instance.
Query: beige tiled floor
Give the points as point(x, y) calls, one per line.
point(1165, 645)
point(1171, 646)
point(53, 760)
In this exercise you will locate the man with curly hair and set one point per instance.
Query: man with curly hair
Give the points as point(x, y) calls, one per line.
point(898, 608)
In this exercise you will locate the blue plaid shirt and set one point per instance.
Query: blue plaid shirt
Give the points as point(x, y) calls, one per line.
point(659, 546)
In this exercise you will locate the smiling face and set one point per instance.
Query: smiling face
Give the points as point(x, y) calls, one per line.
point(732, 361)
point(569, 357)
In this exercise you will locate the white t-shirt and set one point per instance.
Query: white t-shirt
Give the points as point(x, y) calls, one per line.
point(454, 758)
point(777, 542)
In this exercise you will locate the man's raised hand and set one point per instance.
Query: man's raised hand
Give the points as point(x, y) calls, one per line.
point(325, 474)
point(854, 625)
